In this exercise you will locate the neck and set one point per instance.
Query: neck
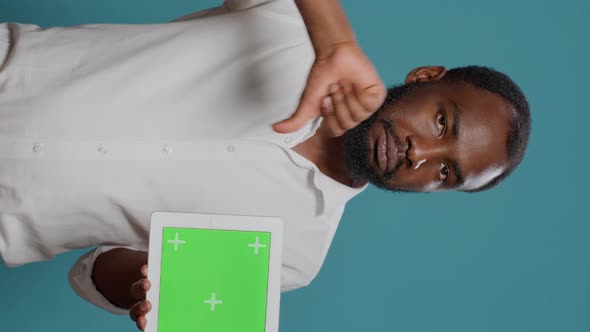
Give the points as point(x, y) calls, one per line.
point(327, 153)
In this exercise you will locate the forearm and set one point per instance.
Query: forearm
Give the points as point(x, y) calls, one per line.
point(115, 271)
point(326, 24)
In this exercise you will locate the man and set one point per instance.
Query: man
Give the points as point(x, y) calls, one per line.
point(177, 117)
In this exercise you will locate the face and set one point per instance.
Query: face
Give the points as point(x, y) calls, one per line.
point(432, 136)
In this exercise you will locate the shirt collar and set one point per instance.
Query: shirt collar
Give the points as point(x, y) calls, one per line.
point(334, 193)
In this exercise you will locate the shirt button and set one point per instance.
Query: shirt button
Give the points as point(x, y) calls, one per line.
point(231, 148)
point(166, 149)
point(288, 139)
point(102, 149)
point(37, 147)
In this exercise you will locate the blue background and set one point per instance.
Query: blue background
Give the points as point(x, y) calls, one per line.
point(516, 258)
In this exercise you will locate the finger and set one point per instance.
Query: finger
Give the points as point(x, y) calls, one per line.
point(327, 106)
point(306, 111)
point(330, 124)
point(139, 310)
point(341, 109)
point(135, 311)
point(142, 320)
point(372, 97)
point(139, 288)
point(308, 108)
point(358, 112)
point(144, 271)
point(141, 323)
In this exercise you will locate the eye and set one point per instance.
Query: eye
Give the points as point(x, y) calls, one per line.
point(443, 173)
point(441, 122)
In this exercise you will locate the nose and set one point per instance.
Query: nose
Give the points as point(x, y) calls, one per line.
point(422, 150)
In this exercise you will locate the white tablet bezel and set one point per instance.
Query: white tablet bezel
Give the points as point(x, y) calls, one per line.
point(273, 225)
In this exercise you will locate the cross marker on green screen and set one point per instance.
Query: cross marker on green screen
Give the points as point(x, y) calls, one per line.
point(176, 242)
point(213, 302)
point(256, 246)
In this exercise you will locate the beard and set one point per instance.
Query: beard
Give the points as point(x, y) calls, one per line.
point(356, 140)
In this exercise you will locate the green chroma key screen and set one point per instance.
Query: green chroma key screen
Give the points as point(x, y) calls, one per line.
point(213, 280)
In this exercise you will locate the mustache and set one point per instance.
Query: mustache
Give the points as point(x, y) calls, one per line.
point(388, 124)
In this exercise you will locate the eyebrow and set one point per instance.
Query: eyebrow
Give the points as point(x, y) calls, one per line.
point(458, 172)
point(457, 114)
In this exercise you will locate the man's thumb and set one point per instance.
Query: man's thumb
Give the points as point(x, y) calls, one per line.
point(303, 114)
point(373, 96)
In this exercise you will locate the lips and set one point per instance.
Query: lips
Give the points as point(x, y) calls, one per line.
point(392, 152)
point(386, 152)
point(381, 151)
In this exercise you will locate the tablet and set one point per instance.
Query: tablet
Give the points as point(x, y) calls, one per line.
point(214, 273)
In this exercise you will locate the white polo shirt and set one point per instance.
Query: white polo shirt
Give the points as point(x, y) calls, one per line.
point(101, 125)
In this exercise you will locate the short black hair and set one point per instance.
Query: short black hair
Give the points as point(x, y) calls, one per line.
point(496, 82)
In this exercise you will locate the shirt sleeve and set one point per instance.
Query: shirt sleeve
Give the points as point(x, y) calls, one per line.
point(80, 277)
point(244, 4)
point(286, 7)
point(228, 6)
point(202, 13)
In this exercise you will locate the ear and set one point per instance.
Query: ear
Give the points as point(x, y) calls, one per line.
point(425, 74)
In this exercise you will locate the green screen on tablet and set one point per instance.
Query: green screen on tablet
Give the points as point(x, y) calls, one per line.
point(213, 280)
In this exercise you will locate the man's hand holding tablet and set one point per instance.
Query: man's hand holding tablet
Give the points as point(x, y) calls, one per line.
point(210, 272)
point(139, 290)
